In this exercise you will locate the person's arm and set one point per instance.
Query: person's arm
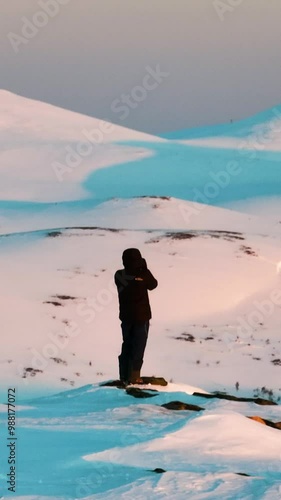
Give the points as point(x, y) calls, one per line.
point(145, 275)
point(122, 279)
point(150, 282)
point(119, 280)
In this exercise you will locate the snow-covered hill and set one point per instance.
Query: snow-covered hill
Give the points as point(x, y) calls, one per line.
point(265, 127)
point(257, 140)
point(46, 152)
point(208, 279)
point(67, 157)
point(135, 213)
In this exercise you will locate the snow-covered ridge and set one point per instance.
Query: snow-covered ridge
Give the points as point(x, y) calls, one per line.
point(47, 152)
point(262, 131)
point(140, 213)
point(25, 119)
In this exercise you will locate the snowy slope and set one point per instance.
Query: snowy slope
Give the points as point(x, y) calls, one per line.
point(256, 139)
point(45, 151)
point(217, 275)
point(136, 213)
point(265, 125)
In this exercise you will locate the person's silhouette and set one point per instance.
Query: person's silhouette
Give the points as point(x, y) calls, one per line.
point(133, 283)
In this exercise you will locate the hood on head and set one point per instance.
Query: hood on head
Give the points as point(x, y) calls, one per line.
point(132, 258)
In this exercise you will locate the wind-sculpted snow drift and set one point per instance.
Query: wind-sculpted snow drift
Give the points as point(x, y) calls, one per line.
point(108, 445)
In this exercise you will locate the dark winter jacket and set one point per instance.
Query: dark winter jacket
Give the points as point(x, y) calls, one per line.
point(132, 283)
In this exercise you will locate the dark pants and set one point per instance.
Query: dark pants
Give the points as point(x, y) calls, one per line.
point(133, 347)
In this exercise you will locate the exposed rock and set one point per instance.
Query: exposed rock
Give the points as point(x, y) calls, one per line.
point(158, 471)
point(242, 474)
point(264, 402)
point(154, 381)
point(258, 419)
point(220, 395)
point(178, 405)
point(140, 393)
point(114, 383)
point(274, 425)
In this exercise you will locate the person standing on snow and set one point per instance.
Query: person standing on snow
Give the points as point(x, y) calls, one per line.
point(133, 283)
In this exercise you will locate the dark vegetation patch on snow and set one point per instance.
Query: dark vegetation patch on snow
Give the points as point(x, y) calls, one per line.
point(59, 361)
point(61, 298)
point(226, 235)
point(167, 198)
point(180, 236)
point(64, 297)
point(30, 372)
point(71, 382)
point(248, 251)
point(188, 235)
point(53, 302)
point(187, 337)
point(65, 231)
point(53, 234)
point(95, 228)
point(75, 270)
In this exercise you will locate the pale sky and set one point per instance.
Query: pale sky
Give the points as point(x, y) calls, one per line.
point(222, 57)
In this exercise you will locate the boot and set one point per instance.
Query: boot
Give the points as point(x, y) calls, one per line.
point(135, 377)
